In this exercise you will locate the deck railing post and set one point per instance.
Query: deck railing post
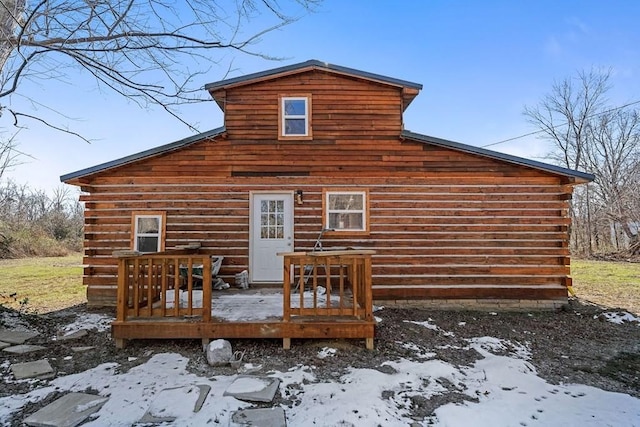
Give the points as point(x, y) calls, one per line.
point(136, 287)
point(301, 285)
point(327, 273)
point(286, 289)
point(190, 286)
point(123, 278)
point(355, 284)
point(149, 286)
point(176, 287)
point(164, 286)
point(368, 291)
point(207, 295)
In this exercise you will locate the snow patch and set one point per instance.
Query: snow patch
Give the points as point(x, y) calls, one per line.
point(99, 322)
point(247, 385)
point(326, 352)
point(618, 317)
point(502, 387)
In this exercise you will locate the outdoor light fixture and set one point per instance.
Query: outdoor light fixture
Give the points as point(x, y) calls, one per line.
point(299, 197)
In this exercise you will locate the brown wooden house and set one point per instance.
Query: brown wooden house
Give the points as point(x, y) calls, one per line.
point(314, 146)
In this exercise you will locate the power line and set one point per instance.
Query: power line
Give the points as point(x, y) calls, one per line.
point(560, 125)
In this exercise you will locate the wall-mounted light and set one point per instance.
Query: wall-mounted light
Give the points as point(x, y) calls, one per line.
point(299, 197)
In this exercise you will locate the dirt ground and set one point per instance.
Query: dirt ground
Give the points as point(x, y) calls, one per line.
point(572, 345)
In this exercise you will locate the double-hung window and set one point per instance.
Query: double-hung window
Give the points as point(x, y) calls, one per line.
point(295, 117)
point(148, 231)
point(346, 211)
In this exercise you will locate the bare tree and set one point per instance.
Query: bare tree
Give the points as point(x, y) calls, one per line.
point(563, 115)
point(150, 51)
point(586, 134)
point(613, 154)
point(32, 223)
point(9, 155)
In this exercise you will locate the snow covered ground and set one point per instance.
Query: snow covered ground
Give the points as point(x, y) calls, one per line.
point(504, 386)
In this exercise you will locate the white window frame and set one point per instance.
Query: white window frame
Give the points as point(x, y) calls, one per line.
point(285, 117)
point(363, 211)
point(159, 235)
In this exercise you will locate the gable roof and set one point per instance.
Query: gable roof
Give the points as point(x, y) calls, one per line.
point(570, 173)
point(176, 145)
point(409, 89)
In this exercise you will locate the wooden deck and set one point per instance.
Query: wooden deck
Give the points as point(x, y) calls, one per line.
point(324, 295)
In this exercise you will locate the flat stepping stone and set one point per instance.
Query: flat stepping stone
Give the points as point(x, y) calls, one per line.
point(23, 348)
point(72, 335)
point(4, 345)
point(82, 349)
point(37, 369)
point(263, 417)
point(68, 411)
point(173, 403)
point(16, 337)
point(253, 388)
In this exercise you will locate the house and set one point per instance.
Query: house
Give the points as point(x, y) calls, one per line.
point(315, 146)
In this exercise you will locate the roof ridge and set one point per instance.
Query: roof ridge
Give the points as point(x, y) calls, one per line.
point(313, 63)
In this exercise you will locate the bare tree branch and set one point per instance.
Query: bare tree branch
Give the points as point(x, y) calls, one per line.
point(605, 141)
point(9, 154)
point(141, 49)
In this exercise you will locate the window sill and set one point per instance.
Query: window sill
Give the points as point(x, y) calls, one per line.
point(343, 233)
point(295, 137)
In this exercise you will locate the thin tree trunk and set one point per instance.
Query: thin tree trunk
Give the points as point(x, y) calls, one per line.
point(11, 12)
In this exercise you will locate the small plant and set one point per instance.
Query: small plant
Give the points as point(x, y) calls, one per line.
point(9, 300)
point(24, 305)
point(6, 298)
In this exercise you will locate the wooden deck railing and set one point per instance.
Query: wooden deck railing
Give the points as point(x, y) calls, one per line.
point(162, 284)
point(326, 294)
point(328, 284)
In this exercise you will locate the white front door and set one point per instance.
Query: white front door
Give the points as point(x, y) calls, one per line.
point(271, 232)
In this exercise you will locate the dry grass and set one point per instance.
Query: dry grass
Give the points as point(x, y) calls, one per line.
point(608, 283)
point(42, 285)
point(49, 284)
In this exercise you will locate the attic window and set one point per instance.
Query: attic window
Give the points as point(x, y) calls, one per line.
point(295, 114)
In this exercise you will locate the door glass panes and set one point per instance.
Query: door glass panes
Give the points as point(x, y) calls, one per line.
point(272, 219)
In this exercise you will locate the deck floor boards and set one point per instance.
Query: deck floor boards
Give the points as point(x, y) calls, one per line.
point(264, 303)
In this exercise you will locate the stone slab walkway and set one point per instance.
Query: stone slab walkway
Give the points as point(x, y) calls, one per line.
point(253, 388)
point(263, 417)
point(164, 409)
point(37, 369)
point(68, 411)
point(16, 337)
point(24, 348)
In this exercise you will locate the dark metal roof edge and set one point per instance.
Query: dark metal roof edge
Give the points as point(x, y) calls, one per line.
point(312, 63)
point(143, 154)
point(497, 155)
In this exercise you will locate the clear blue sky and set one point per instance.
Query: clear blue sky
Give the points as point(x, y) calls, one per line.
point(480, 63)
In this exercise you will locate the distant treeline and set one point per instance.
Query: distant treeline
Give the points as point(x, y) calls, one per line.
point(33, 223)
